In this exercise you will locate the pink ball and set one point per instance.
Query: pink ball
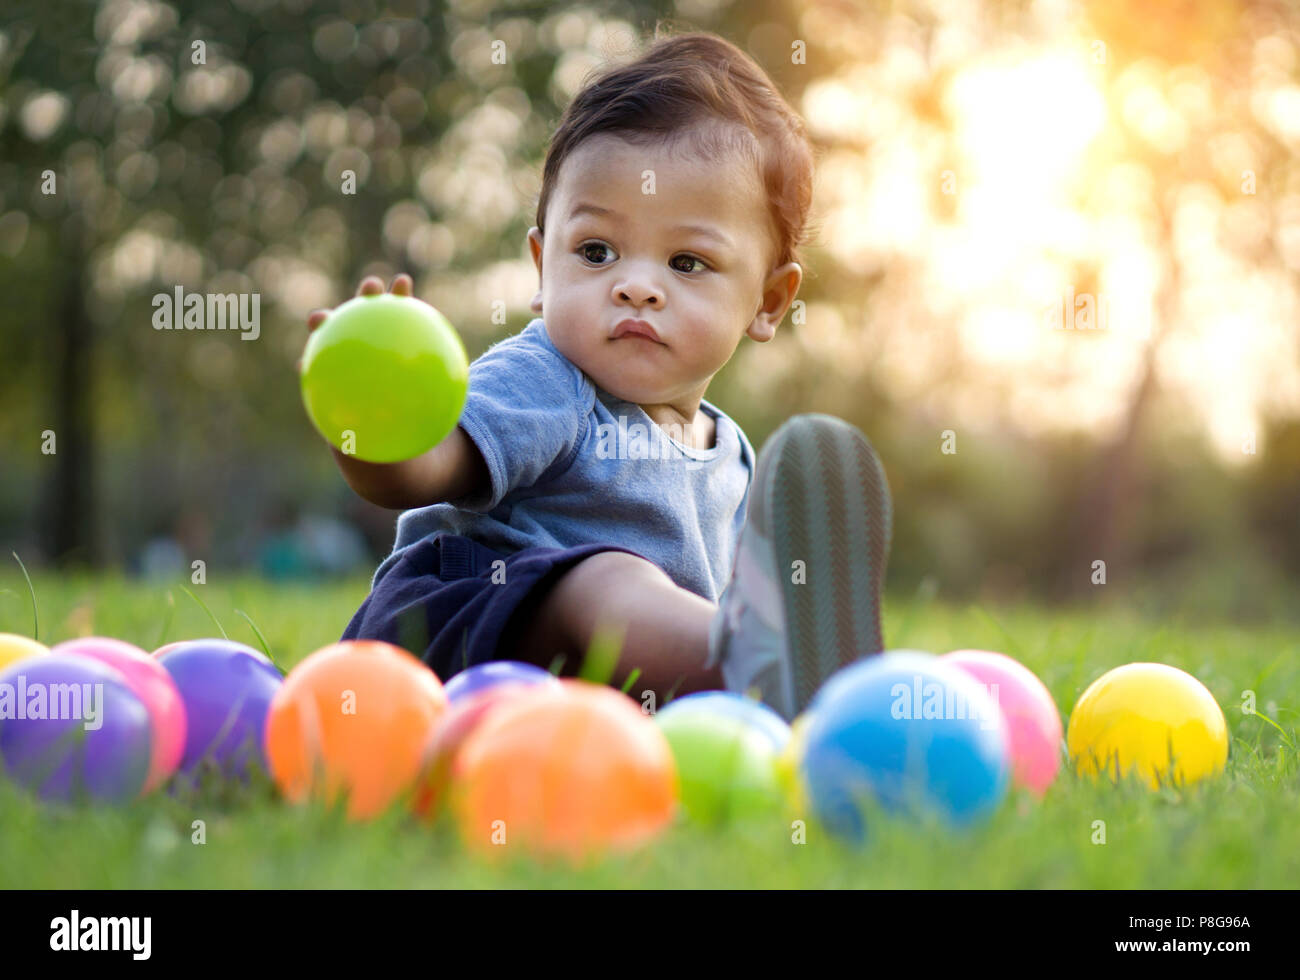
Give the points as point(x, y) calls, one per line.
point(150, 682)
point(1033, 722)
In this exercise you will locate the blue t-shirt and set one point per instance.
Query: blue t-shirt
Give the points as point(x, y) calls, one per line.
point(571, 464)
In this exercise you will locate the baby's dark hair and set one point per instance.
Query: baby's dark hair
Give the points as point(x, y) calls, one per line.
point(681, 87)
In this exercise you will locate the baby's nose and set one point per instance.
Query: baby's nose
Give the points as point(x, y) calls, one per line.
point(640, 285)
point(648, 295)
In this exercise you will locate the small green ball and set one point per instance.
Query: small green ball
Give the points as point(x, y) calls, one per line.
point(727, 768)
point(384, 378)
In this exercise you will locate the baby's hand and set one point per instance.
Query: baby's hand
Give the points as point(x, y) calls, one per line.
point(370, 286)
point(450, 470)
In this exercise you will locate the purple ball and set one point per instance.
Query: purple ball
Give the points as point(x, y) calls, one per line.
point(57, 755)
point(483, 676)
point(227, 689)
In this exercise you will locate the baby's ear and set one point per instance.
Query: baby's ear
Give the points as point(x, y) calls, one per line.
point(779, 291)
point(535, 247)
point(762, 329)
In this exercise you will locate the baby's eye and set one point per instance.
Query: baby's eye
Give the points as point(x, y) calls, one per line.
point(586, 248)
point(688, 258)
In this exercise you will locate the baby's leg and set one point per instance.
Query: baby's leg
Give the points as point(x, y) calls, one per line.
point(665, 627)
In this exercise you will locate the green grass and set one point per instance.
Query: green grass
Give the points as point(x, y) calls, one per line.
point(1239, 831)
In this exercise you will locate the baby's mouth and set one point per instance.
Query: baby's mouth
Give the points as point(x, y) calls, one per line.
point(639, 329)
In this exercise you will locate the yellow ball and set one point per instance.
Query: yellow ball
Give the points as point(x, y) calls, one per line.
point(787, 765)
point(14, 648)
point(1152, 720)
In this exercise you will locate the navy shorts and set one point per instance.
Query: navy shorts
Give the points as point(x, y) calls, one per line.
point(440, 602)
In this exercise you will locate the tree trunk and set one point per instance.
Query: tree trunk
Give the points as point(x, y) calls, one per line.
point(71, 528)
point(1108, 497)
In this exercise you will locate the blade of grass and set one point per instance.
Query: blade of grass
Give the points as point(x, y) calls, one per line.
point(631, 679)
point(260, 638)
point(206, 610)
point(167, 623)
point(602, 655)
point(1280, 730)
point(36, 619)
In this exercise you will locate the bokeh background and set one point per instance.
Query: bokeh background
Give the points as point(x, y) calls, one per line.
point(1061, 238)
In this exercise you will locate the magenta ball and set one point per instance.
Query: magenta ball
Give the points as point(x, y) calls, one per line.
point(227, 689)
point(153, 685)
point(1033, 722)
point(71, 728)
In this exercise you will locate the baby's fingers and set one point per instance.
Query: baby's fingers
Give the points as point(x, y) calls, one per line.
point(315, 318)
point(370, 286)
point(402, 285)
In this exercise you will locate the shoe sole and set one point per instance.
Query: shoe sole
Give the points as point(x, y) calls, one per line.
point(822, 499)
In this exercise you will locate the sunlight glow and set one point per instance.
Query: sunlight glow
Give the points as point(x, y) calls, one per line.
point(1023, 125)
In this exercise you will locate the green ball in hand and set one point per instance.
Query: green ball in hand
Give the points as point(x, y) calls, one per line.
point(384, 378)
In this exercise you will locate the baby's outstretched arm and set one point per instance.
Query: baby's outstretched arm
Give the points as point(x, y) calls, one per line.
point(449, 470)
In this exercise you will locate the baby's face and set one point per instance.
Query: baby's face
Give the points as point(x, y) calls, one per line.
point(690, 259)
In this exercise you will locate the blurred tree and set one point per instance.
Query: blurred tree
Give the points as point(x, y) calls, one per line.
point(1218, 38)
point(279, 148)
point(950, 198)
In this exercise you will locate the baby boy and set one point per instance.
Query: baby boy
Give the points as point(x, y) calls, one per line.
point(589, 487)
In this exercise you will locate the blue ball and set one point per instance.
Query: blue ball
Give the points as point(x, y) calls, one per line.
point(754, 713)
point(482, 676)
point(906, 732)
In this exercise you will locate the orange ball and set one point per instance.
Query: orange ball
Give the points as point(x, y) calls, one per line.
point(570, 770)
point(353, 719)
point(450, 735)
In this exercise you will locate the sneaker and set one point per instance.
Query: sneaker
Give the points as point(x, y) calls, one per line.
point(804, 596)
